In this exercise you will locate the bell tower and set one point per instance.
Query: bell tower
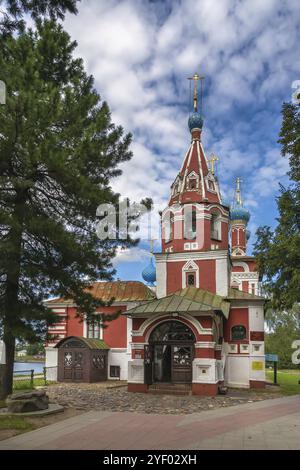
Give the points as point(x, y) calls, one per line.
point(195, 222)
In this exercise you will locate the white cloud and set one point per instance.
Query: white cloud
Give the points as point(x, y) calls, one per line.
point(131, 255)
point(141, 53)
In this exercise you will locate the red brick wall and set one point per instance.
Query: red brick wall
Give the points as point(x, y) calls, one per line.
point(237, 316)
point(115, 334)
point(74, 323)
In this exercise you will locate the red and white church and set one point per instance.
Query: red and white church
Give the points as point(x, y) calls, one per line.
point(199, 321)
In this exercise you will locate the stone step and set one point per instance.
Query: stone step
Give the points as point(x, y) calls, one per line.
point(166, 391)
point(170, 389)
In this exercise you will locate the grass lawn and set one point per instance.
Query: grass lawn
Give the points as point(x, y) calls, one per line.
point(287, 379)
point(15, 422)
point(26, 384)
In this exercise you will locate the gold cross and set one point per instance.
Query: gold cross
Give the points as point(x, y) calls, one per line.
point(196, 77)
point(212, 161)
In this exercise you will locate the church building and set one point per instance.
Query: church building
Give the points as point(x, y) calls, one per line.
point(198, 324)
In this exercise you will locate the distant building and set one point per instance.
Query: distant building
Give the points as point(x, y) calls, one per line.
point(21, 353)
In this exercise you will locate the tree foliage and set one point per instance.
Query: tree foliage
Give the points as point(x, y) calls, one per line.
point(59, 151)
point(278, 251)
point(12, 12)
point(284, 328)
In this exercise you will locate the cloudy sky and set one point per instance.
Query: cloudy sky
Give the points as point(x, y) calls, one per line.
point(141, 53)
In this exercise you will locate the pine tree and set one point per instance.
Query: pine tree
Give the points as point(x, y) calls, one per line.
point(12, 12)
point(278, 251)
point(58, 153)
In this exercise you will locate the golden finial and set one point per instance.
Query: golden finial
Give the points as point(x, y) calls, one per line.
point(212, 161)
point(238, 195)
point(196, 77)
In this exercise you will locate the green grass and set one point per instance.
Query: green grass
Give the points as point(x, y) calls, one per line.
point(15, 422)
point(26, 384)
point(288, 381)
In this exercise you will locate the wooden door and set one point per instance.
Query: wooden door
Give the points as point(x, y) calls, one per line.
point(182, 358)
point(148, 364)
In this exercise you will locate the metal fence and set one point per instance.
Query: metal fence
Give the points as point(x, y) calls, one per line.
point(28, 379)
point(23, 379)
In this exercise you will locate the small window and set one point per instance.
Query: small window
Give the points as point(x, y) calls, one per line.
point(211, 185)
point(238, 332)
point(94, 329)
point(114, 371)
point(191, 279)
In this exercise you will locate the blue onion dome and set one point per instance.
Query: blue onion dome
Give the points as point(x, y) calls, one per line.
point(195, 121)
point(248, 234)
point(239, 212)
point(149, 273)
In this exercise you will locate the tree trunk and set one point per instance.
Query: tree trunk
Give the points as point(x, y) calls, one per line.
point(12, 312)
point(7, 377)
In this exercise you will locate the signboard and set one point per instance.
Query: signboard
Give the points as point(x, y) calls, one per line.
point(257, 365)
point(272, 357)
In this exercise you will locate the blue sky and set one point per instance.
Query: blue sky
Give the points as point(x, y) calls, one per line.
point(141, 53)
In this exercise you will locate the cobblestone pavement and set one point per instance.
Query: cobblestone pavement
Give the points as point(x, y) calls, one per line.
point(95, 397)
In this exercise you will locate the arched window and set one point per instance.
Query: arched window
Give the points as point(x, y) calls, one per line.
point(190, 223)
point(171, 331)
point(192, 181)
point(215, 228)
point(168, 227)
point(238, 332)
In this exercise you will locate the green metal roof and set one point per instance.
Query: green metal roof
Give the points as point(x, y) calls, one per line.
point(91, 343)
point(236, 294)
point(187, 300)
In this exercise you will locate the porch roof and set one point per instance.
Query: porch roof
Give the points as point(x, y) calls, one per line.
point(190, 299)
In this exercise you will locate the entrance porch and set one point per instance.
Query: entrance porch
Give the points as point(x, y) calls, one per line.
point(178, 340)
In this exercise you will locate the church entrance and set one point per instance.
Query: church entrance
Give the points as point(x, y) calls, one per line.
point(170, 353)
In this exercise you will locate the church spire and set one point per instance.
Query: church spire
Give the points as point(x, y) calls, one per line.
point(239, 216)
point(195, 182)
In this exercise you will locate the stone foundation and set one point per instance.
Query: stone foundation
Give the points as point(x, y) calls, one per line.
point(205, 389)
point(140, 388)
point(257, 384)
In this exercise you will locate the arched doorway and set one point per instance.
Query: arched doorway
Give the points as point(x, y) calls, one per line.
point(172, 349)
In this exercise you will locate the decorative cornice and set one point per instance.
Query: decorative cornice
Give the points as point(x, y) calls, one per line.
point(183, 256)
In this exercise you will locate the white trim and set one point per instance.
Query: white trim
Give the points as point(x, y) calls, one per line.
point(138, 345)
point(173, 257)
point(196, 324)
point(205, 345)
point(192, 267)
point(241, 264)
point(201, 169)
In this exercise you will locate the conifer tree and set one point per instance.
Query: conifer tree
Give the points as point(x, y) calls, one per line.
point(12, 12)
point(59, 151)
point(278, 251)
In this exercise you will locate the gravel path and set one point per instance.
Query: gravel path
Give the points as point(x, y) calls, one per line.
point(96, 397)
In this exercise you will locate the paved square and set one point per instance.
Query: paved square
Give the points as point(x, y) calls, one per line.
point(270, 424)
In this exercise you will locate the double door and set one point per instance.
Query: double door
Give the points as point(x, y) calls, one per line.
point(167, 362)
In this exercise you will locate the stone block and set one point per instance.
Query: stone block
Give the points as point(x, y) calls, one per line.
point(25, 402)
